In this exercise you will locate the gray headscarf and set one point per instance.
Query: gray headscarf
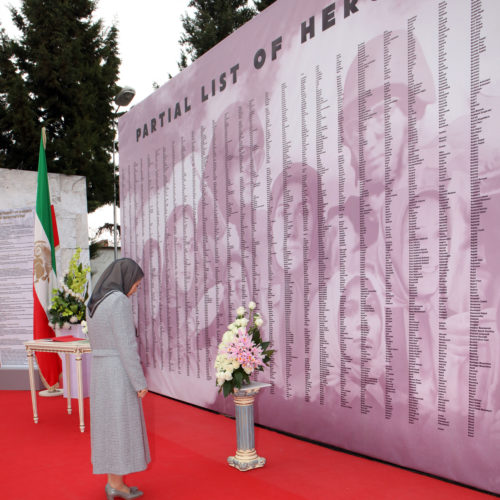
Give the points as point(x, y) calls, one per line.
point(120, 275)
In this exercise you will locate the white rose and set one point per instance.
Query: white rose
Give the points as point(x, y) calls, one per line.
point(220, 381)
point(240, 311)
point(248, 369)
point(228, 337)
point(252, 305)
point(259, 322)
point(228, 376)
point(244, 321)
point(236, 365)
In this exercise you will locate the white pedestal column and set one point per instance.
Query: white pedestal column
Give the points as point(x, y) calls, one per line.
point(246, 457)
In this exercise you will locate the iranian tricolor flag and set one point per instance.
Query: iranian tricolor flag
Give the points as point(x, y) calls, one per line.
point(44, 271)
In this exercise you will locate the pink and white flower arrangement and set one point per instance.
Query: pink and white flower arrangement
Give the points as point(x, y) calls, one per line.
point(241, 351)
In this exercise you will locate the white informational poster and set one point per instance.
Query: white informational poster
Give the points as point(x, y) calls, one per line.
point(16, 284)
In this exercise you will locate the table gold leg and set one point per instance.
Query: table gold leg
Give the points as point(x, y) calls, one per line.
point(32, 384)
point(68, 382)
point(80, 389)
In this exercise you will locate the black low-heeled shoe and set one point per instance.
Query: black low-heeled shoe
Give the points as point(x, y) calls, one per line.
point(112, 493)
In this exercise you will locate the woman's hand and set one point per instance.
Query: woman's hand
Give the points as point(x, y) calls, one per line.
point(142, 393)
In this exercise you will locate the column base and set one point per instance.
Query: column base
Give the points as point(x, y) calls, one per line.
point(246, 460)
point(46, 393)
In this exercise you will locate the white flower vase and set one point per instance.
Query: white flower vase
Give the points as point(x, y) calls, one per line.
point(76, 331)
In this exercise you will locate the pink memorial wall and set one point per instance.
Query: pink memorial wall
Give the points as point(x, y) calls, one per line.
point(339, 164)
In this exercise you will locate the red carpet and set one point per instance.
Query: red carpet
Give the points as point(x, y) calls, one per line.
point(51, 460)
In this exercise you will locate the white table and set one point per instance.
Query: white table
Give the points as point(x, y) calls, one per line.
point(78, 348)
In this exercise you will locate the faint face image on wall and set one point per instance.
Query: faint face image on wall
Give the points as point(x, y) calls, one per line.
point(151, 265)
point(488, 245)
point(386, 108)
point(180, 247)
point(301, 212)
point(237, 148)
point(373, 346)
point(236, 285)
point(425, 264)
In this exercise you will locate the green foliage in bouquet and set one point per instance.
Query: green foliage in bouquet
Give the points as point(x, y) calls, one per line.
point(68, 302)
point(242, 351)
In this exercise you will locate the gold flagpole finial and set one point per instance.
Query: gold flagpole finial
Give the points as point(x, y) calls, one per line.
point(44, 138)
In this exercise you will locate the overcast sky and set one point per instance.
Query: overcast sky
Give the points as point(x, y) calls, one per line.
point(149, 32)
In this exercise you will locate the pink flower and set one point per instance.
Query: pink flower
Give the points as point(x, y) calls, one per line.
point(242, 349)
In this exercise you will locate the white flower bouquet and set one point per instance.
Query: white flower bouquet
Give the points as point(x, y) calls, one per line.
point(242, 351)
point(68, 301)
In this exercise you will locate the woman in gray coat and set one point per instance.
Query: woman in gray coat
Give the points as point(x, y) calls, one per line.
point(117, 383)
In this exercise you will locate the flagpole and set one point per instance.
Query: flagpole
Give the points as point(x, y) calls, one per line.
point(123, 98)
point(115, 246)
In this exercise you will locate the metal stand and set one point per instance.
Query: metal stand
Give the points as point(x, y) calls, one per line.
point(246, 457)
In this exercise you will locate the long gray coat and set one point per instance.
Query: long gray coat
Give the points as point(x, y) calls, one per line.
point(117, 430)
